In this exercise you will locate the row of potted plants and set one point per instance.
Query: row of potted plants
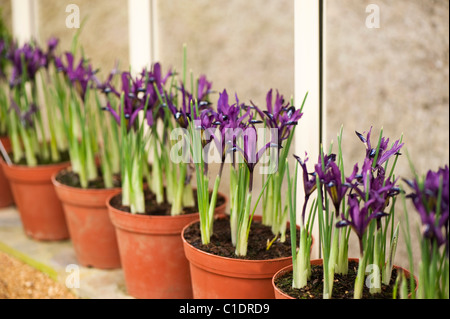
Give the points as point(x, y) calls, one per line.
point(374, 274)
point(110, 164)
point(92, 141)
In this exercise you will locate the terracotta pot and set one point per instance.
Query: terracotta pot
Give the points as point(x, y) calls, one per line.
point(279, 294)
point(6, 197)
point(91, 231)
point(152, 253)
point(216, 277)
point(40, 209)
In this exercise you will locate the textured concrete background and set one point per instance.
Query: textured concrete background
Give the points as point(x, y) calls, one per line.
point(395, 77)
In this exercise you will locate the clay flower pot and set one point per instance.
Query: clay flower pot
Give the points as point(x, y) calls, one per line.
point(91, 231)
point(151, 251)
point(216, 277)
point(279, 294)
point(40, 209)
point(6, 197)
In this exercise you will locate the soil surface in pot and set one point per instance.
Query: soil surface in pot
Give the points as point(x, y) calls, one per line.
point(343, 286)
point(163, 209)
point(69, 178)
point(41, 161)
point(221, 244)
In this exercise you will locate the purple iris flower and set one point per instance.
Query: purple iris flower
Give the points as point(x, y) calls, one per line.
point(26, 62)
point(81, 76)
point(133, 90)
point(52, 43)
point(384, 153)
point(279, 115)
point(425, 200)
point(374, 181)
point(383, 189)
point(231, 123)
point(107, 86)
point(204, 88)
point(331, 177)
point(372, 185)
point(187, 111)
point(250, 151)
point(183, 114)
point(309, 182)
point(137, 92)
point(204, 123)
point(26, 117)
point(359, 217)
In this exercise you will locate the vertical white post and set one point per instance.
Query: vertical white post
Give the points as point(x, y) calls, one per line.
point(24, 20)
point(309, 66)
point(142, 33)
point(143, 38)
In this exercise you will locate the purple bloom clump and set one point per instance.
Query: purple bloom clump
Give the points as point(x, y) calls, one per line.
point(250, 151)
point(204, 88)
point(231, 123)
point(279, 115)
point(372, 182)
point(373, 185)
point(187, 111)
point(26, 62)
point(359, 216)
point(330, 176)
point(139, 91)
point(52, 44)
point(433, 211)
point(107, 86)
point(80, 76)
point(384, 153)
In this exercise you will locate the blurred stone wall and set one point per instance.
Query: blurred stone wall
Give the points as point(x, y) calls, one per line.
point(104, 36)
point(395, 77)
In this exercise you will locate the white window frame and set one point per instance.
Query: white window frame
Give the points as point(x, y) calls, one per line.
point(310, 76)
point(24, 20)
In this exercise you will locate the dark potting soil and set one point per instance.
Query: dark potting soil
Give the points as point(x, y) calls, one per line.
point(69, 178)
point(343, 286)
point(221, 244)
point(155, 209)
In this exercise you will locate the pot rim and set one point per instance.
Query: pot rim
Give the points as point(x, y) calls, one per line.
point(236, 260)
point(143, 216)
point(40, 174)
point(279, 273)
point(40, 167)
point(319, 261)
point(79, 189)
point(151, 224)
